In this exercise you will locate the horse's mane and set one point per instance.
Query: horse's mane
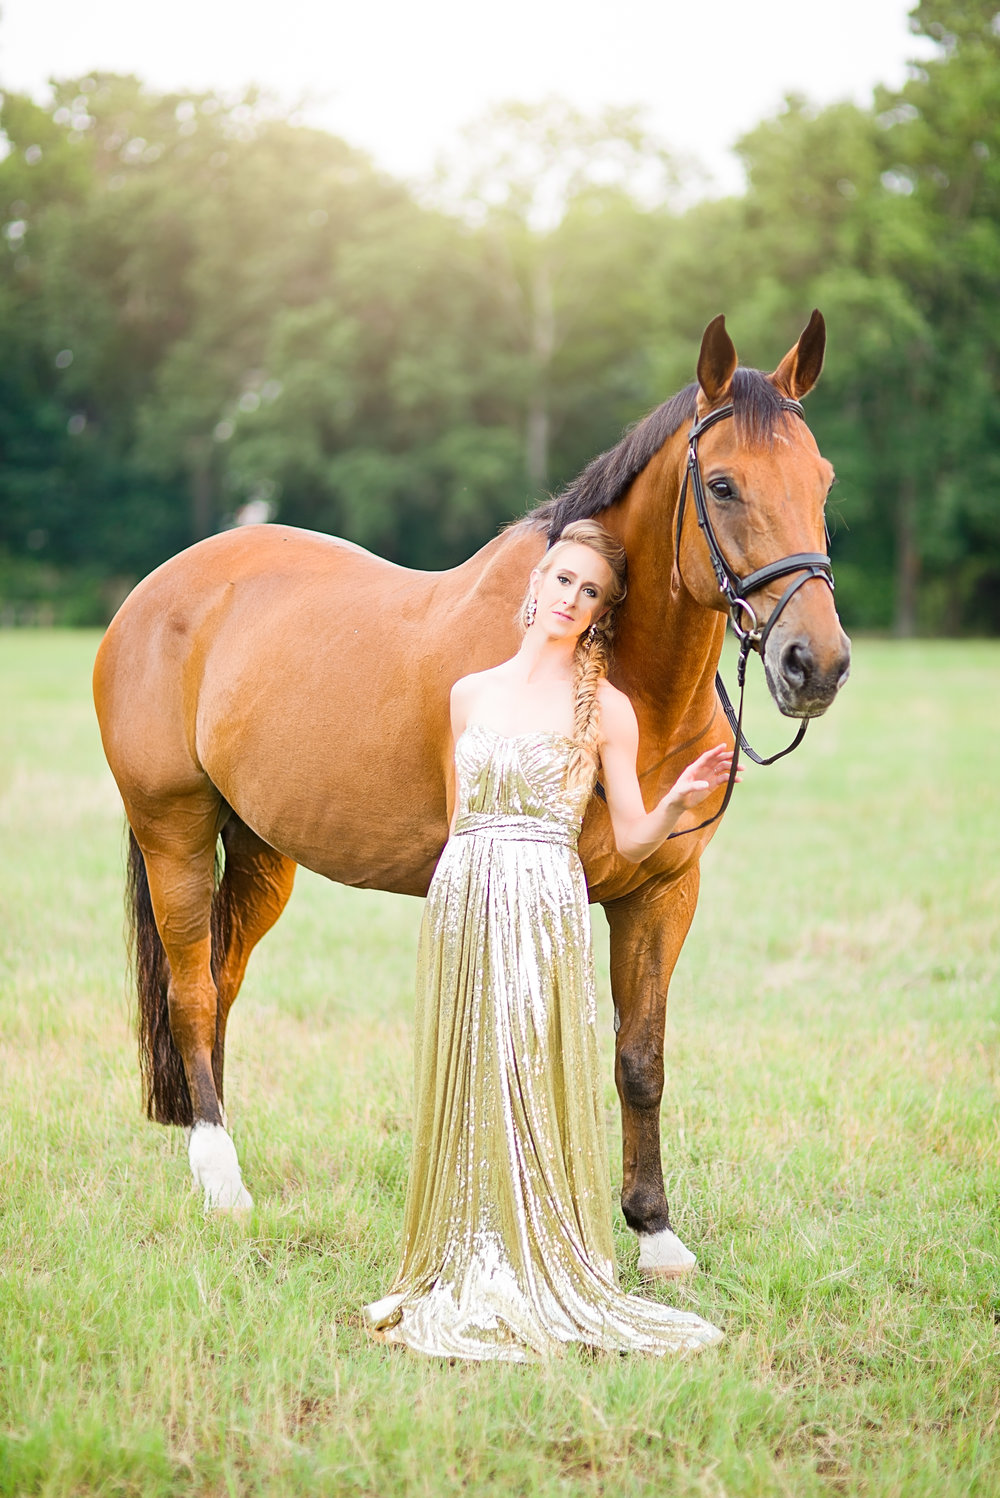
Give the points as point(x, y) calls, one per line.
point(756, 409)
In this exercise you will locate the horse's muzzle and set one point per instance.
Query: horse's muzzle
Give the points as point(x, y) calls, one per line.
point(802, 679)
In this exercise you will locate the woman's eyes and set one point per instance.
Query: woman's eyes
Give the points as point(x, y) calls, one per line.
point(563, 580)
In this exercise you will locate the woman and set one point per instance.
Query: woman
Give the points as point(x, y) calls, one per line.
point(508, 1249)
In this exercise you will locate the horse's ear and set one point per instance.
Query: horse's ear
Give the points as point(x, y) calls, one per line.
point(799, 369)
point(717, 361)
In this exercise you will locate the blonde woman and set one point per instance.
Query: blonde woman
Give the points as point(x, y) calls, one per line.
point(508, 1250)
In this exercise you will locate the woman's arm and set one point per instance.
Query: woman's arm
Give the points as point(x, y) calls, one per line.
point(639, 832)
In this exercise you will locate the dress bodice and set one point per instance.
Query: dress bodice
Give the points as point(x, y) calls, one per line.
point(517, 775)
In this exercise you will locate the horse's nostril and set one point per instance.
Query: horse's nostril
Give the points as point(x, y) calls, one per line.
point(797, 662)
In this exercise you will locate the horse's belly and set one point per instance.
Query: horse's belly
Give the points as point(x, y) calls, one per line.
point(329, 767)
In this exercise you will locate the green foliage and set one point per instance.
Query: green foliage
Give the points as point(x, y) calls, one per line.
point(209, 311)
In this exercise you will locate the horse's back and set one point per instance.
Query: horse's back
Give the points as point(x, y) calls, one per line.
point(192, 584)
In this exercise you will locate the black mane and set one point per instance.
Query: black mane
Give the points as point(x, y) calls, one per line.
point(757, 409)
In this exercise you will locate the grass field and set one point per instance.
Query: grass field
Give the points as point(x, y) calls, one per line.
point(830, 1135)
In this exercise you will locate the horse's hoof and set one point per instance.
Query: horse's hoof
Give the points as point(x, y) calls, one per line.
point(212, 1156)
point(662, 1256)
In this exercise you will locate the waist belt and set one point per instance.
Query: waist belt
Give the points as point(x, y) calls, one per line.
point(517, 829)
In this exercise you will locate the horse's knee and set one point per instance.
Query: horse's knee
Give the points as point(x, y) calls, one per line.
point(639, 1072)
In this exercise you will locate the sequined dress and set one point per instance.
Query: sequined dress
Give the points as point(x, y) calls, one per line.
point(507, 1243)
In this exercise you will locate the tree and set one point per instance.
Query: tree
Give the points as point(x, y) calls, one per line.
point(942, 137)
point(211, 312)
point(545, 183)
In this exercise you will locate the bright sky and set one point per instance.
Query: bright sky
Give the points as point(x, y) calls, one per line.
point(400, 77)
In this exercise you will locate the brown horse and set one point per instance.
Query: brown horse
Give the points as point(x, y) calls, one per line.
point(287, 694)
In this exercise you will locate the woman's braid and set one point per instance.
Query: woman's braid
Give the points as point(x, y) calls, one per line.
point(591, 662)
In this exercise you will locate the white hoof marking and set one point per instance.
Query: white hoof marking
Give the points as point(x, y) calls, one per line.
point(662, 1256)
point(216, 1169)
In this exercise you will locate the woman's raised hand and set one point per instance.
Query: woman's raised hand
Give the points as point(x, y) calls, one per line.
point(639, 832)
point(702, 777)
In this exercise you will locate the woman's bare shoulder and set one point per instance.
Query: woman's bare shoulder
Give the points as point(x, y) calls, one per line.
point(467, 687)
point(467, 695)
point(618, 718)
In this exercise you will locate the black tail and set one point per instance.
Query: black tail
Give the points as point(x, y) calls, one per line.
point(165, 1094)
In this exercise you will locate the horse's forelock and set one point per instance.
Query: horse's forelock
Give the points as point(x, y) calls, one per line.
point(757, 407)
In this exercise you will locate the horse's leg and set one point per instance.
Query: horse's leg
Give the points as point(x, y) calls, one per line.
point(254, 890)
point(178, 1000)
point(207, 939)
point(647, 932)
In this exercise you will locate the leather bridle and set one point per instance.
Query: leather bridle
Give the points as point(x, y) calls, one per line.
point(748, 628)
point(734, 588)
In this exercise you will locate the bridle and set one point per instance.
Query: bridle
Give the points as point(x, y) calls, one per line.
point(749, 630)
point(734, 588)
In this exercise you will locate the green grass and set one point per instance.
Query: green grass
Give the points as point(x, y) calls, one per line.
point(830, 1135)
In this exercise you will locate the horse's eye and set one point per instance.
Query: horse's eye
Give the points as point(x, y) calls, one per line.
point(722, 489)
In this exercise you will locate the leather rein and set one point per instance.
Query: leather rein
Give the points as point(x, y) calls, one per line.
point(749, 630)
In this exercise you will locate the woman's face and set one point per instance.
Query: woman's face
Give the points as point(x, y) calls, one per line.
point(571, 591)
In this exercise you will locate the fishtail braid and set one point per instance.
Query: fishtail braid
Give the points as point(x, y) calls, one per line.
point(590, 663)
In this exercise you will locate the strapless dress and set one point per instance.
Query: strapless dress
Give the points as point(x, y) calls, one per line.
point(507, 1241)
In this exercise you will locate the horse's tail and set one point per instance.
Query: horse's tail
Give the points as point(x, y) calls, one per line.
point(165, 1093)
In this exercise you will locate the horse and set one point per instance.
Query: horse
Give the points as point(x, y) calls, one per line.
point(273, 697)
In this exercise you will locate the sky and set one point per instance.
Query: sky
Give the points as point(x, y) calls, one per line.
point(399, 78)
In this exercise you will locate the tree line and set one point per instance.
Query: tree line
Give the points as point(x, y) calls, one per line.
point(211, 312)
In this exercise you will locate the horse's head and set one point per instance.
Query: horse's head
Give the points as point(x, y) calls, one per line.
point(764, 484)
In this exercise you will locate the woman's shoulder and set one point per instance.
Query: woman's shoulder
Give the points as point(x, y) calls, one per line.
point(467, 696)
point(467, 687)
point(617, 713)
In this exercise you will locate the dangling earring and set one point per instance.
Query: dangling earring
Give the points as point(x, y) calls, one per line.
point(591, 635)
point(530, 610)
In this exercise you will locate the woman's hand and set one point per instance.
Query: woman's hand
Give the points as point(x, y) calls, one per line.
point(701, 778)
point(639, 832)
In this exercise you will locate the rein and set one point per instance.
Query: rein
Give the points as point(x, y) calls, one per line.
point(751, 633)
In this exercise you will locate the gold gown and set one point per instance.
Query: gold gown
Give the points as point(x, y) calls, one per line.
point(507, 1243)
